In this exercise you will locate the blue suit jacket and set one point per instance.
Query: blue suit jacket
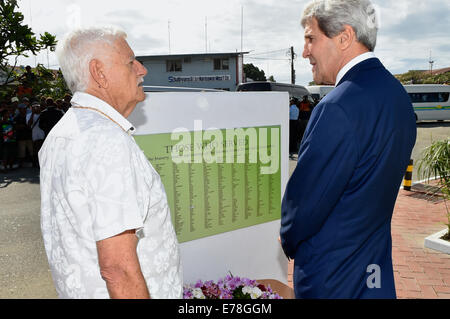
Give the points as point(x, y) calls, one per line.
point(338, 204)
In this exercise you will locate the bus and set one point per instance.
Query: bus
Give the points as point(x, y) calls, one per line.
point(319, 91)
point(430, 101)
point(295, 91)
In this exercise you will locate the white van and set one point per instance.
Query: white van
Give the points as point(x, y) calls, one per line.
point(430, 101)
point(319, 91)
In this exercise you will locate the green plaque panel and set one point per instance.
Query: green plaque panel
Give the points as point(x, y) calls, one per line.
point(218, 180)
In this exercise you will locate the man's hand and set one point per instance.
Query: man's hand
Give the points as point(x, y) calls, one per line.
point(120, 268)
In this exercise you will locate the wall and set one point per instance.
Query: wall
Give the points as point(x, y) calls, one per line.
point(199, 66)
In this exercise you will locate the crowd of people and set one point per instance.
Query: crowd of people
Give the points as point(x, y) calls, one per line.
point(299, 114)
point(24, 124)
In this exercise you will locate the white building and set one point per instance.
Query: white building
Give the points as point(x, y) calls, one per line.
point(222, 71)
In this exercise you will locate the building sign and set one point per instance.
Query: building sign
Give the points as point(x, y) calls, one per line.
point(199, 78)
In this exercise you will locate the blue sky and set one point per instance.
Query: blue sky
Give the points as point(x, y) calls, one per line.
point(409, 29)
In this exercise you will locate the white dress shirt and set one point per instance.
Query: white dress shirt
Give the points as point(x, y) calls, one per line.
point(352, 63)
point(97, 183)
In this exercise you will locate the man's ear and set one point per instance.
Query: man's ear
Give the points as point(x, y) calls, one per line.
point(346, 37)
point(97, 71)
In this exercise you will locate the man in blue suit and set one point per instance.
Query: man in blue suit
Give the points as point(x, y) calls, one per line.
point(338, 203)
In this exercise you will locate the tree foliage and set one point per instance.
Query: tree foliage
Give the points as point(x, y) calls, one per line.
point(254, 73)
point(423, 77)
point(49, 83)
point(17, 39)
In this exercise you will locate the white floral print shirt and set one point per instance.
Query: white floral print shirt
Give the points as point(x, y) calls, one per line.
point(97, 183)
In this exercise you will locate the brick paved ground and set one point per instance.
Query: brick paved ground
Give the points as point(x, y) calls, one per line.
point(419, 272)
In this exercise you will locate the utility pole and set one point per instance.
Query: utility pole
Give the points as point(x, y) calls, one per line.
point(206, 34)
point(242, 28)
point(292, 66)
point(431, 61)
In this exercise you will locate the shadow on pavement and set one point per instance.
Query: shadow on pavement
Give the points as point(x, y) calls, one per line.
point(19, 175)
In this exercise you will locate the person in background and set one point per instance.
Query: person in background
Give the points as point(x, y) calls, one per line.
point(28, 77)
point(3, 107)
point(43, 102)
point(23, 136)
point(67, 98)
point(293, 128)
point(105, 218)
point(37, 133)
point(66, 102)
point(50, 116)
point(8, 135)
point(13, 107)
point(60, 105)
point(304, 115)
point(337, 207)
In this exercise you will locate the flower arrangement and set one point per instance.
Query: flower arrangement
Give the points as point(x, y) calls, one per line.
point(229, 288)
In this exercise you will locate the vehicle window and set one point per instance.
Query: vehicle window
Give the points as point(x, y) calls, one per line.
point(254, 87)
point(429, 97)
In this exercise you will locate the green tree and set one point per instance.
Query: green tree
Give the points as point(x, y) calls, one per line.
point(17, 39)
point(423, 77)
point(436, 162)
point(49, 83)
point(271, 79)
point(254, 73)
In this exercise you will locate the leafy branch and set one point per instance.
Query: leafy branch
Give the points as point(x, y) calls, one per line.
point(17, 39)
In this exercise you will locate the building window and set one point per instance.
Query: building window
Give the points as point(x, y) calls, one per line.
point(221, 64)
point(174, 66)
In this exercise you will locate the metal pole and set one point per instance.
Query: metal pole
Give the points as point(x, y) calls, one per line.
point(242, 28)
point(292, 66)
point(169, 37)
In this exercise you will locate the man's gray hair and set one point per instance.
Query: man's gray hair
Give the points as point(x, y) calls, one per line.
point(81, 46)
point(332, 15)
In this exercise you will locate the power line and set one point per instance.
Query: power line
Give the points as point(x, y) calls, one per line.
point(270, 59)
point(269, 52)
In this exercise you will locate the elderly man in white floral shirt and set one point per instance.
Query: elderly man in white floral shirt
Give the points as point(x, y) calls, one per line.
point(104, 214)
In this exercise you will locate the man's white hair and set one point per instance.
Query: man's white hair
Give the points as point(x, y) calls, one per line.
point(332, 15)
point(79, 47)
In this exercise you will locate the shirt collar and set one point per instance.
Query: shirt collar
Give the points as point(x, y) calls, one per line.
point(352, 63)
point(88, 100)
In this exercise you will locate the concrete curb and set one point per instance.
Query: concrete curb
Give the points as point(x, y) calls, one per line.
point(434, 242)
